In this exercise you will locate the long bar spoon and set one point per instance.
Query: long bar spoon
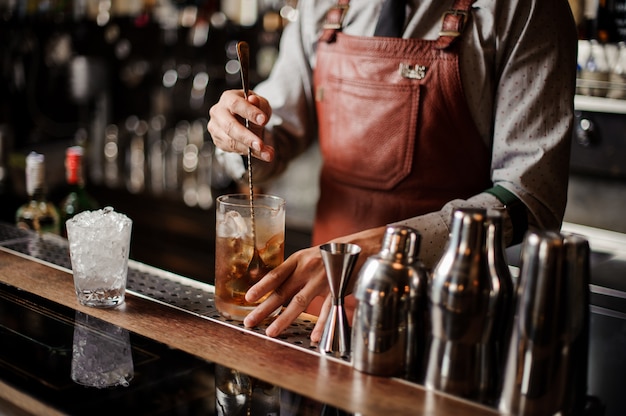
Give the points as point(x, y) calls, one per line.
point(256, 265)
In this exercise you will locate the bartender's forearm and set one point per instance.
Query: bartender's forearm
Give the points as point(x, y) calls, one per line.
point(435, 227)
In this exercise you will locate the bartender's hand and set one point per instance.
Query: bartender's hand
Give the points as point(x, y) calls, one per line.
point(229, 132)
point(299, 280)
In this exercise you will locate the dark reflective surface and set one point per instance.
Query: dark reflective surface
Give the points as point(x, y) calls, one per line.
point(79, 364)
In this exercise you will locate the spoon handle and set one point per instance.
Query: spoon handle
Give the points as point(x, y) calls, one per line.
point(243, 54)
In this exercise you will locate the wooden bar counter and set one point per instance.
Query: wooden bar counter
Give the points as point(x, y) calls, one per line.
point(300, 370)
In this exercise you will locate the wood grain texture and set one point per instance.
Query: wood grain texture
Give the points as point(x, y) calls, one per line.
point(321, 378)
point(15, 403)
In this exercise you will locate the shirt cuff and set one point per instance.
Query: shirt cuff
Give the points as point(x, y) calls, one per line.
point(434, 227)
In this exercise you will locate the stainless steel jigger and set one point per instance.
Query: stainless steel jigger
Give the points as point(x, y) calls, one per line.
point(339, 260)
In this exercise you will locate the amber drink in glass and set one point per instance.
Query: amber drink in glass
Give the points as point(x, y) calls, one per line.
point(236, 239)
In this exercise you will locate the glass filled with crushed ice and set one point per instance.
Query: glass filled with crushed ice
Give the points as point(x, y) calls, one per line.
point(243, 253)
point(99, 245)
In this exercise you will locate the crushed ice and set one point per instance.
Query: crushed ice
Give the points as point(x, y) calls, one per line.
point(101, 218)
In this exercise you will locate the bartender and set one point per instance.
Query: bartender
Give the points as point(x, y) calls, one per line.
point(469, 103)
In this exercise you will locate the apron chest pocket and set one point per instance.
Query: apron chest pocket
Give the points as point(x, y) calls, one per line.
point(368, 131)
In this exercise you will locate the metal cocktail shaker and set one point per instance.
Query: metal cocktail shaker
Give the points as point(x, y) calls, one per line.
point(500, 274)
point(463, 298)
point(578, 272)
point(546, 367)
point(417, 324)
point(379, 328)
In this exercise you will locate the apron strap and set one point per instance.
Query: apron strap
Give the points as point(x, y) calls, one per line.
point(453, 22)
point(333, 22)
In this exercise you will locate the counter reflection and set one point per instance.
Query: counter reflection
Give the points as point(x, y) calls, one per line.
point(101, 353)
point(75, 364)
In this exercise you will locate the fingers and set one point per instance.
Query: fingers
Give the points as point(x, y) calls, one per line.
point(298, 280)
point(261, 312)
point(263, 105)
point(265, 309)
point(301, 278)
point(230, 134)
point(271, 282)
point(318, 330)
point(297, 305)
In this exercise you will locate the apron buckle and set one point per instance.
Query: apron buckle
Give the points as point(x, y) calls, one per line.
point(452, 22)
point(335, 16)
point(412, 71)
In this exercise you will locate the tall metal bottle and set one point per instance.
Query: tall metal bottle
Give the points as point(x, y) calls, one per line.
point(500, 274)
point(463, 301)
point(417, 324)
point(383, 292)
point(546, 366)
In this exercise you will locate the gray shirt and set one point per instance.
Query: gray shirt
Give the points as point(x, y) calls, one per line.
point(518, 66)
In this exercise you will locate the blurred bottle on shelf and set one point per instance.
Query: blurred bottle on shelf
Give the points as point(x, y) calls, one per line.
point(617, 77)
point(37, 214)
point(155, 153)
point(77, 199)
point(101, 63)
point(611, 20)
point(136, 158)
point(603, 20)
point(242, 12)
point(594, 74)
point(111, 151)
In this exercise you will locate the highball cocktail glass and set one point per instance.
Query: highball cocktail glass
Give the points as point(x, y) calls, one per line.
point(235, 244)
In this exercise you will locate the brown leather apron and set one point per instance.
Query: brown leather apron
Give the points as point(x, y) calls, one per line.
point(395, 131)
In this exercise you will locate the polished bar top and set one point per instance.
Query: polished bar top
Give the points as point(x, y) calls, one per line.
point(57, 360)
point(298, 369)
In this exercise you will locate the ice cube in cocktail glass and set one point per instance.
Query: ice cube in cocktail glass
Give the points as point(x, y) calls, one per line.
point(99, 246)
point(235, 244)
